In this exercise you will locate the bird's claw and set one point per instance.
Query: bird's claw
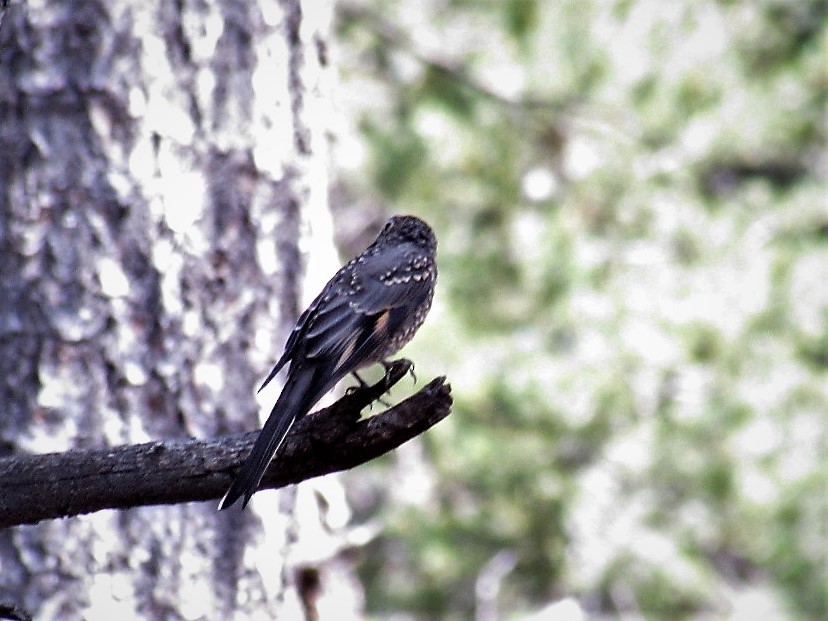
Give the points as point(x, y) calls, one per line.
point(361, 385)
point(395, 370)
point(389, 366)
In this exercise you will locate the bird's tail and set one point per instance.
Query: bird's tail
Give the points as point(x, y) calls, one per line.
point(296, 399)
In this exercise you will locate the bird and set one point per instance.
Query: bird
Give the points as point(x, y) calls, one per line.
point(366, 313)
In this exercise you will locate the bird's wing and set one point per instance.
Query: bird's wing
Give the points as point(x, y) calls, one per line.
point(295, 338)
point(368, 305)
point(353, 328)
point(399, 278)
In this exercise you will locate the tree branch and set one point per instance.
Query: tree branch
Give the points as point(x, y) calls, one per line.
point(39, 487)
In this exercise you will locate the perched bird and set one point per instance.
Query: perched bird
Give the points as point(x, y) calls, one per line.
point(370, 308)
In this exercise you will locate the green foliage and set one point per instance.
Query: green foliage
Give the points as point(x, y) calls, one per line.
point(632, 308)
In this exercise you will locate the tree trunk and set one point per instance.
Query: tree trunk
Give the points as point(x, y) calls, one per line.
point(160, 163)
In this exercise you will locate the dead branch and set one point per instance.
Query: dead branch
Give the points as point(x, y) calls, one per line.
point(40, 487)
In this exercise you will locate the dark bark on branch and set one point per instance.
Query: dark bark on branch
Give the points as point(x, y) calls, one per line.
point(39, 487)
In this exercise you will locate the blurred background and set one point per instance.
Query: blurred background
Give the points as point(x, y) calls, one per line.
point(630, 198)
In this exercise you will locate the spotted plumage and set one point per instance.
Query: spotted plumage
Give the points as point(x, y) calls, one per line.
point(370, 308)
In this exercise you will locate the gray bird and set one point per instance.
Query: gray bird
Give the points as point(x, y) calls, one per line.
point(370, 308)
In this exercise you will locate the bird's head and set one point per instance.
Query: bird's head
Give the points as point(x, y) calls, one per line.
point(409, 229)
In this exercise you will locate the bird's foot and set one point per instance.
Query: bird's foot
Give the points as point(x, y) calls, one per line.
point(395, 370)
point(390, 368)
point(361, 384)
point(350, 390)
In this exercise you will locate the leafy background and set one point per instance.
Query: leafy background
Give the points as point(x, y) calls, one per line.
point(630, 198)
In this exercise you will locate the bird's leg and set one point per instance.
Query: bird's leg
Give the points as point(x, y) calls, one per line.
point(361, 384)
point(365, 396)
point(358, 377)
point(388, 365)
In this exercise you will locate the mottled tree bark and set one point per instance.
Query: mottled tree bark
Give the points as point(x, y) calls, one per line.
point(160, 164)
